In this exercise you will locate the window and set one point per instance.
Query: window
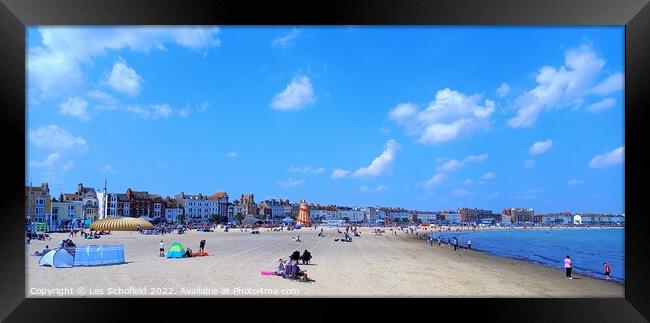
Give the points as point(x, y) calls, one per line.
point(70, 207)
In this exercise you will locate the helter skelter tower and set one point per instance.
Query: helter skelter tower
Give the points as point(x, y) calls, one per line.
point(303, 214)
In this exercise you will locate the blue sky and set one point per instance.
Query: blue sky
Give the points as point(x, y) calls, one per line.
point(418, 117)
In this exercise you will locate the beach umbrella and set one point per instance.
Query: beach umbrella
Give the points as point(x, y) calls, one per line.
point(176, 250)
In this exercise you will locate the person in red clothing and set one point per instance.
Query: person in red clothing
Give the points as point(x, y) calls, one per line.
point(607, 270)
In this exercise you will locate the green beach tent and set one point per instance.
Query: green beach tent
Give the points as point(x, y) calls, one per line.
point(176, 250)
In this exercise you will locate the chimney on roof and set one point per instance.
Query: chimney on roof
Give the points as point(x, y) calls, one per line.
point(80, 188)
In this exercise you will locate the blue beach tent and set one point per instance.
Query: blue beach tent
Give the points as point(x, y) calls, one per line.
point(58, 258)
point(176, 250)
point(95, 255)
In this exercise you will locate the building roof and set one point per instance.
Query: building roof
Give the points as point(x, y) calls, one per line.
point(218, 195)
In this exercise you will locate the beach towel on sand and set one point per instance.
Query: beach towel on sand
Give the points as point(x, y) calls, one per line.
point(200, 254)
point(267, 272)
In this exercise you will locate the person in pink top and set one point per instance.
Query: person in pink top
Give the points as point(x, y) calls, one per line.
point(568, 266)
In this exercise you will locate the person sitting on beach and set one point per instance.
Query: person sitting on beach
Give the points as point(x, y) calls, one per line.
point(188, 253)
point(280, 270)
point(298, 239)
point(300, 273)
point(306, 257)
point(45, 250)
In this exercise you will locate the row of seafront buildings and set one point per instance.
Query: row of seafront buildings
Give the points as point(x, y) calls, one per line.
point(89, 204)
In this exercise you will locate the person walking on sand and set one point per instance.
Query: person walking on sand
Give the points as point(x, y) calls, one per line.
point(469, 244)
point(162, 249)
point(607, 270)
point(568, 263)
point(439, 243)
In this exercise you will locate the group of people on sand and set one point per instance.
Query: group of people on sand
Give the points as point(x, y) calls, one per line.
point(38, 236)
point(45, 250)
point(67, 243)
point(289, 268)
point(568, 268)
point(188, 252)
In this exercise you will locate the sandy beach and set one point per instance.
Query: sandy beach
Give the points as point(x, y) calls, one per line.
point(369, 266)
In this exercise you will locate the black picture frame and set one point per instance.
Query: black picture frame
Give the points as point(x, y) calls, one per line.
point(15, 15)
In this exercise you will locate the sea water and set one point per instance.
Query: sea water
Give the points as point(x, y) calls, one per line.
point(588, 248)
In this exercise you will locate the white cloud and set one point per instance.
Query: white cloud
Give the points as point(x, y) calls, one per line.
point(163, 165)
point(380, 188)
point(460, 192)
point(450, 115)
point(435, 180)
point(298, 94)
point(468, 181)
point(106, 100)
point(124, 78)
point(573, 182)
point(54, 138)
point(67, 166)
point(231, 154)
point(493, 194)
point(57, 66)
point(503, 90)
point(108, 168)
point(613, 83)
point(340, 173)
point(290, 183)
point(612, 158)
point(380, 165)
point(529, 194)
point(564, 86)
point(203, 106)
point(184, 112)
point(489, 176)
point(529, 164)
point(453, 164)
point(151, 110)
point(286, 39)
point(48, 161)
point(75, 107)
point(306, 169)
point(450, 166)
point(476, 158)
point(540, 147)
point(602, 105)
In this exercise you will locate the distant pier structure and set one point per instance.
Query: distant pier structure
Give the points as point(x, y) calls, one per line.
point(303, 214)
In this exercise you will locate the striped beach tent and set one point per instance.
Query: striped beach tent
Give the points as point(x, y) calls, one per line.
point(176, 250)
